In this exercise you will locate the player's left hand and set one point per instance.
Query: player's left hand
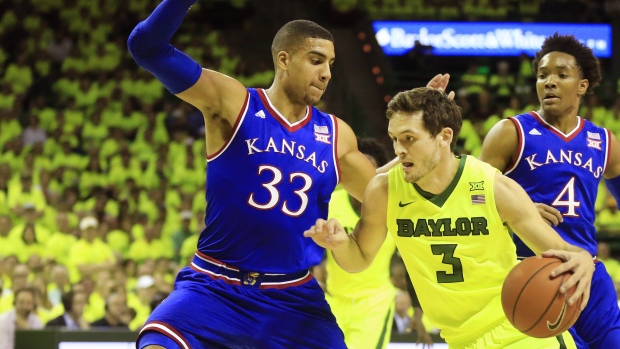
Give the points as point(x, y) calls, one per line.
point(416, 324)
point(327, 234)
point(582, 266)
point(440, 82)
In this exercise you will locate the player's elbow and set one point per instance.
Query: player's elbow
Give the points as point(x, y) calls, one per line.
point(135, 41)
point(142, 50)
point(359, 266)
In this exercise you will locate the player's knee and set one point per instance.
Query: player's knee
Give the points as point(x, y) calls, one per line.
point(153, 347)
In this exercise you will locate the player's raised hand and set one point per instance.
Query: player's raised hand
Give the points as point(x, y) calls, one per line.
point(581, 265)
point(440, 82)
point(327, 234)
point(550, 214)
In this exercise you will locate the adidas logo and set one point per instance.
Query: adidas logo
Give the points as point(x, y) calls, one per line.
point(260, 114)
point(533, 132)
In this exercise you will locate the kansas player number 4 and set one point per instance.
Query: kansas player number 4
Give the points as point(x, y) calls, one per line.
point(275, 193)
point(571, 204)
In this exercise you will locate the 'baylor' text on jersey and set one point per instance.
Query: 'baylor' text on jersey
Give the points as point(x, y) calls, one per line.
point(456, 248)
point(463, 226)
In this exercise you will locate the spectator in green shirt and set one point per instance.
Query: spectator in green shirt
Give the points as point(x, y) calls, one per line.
point(31, 247)
point(180, 235)
point(140, 301)
point(30, 217)
point(6, 224)
point(89, 255)
point(61, 241)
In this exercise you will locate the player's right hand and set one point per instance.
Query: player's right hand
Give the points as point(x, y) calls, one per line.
point(440, 82)
point(327, 234)
point(550, 214)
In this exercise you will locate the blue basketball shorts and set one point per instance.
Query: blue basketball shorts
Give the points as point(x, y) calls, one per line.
point(215, 305)
point(598, 326)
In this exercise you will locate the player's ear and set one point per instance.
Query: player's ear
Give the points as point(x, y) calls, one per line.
point(583, 87)
point(445, 136)
point(283, 60)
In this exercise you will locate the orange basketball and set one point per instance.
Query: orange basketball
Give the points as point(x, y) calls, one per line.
point(532, 300)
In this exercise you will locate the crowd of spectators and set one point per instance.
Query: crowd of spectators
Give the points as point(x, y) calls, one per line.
point(102, 172)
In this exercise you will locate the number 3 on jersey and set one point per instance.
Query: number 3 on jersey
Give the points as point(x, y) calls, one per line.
point(447, 250)
point(275, 193)
point(570, 202)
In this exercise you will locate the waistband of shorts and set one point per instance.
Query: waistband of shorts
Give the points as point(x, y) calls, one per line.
point(231, 275)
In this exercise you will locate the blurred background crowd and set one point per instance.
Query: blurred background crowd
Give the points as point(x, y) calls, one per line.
point(102, 171)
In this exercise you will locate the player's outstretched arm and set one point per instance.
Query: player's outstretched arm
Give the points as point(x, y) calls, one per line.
point(355, 252)
point(517, 210)
point(149, 46)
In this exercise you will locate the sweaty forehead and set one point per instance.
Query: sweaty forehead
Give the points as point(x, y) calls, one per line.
point(558, 59)
point(320, 46)
point(406, 122)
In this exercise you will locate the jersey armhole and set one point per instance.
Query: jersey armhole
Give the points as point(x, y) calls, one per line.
point(520, 146)
point(235, 129)
point(335, 147)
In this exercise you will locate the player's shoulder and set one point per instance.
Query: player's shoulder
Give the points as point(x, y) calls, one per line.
point(380, 182)
point(592, 127)
point(474, 169)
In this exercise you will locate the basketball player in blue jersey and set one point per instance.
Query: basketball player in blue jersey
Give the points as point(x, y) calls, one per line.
point(559, 158)
point(274, 161)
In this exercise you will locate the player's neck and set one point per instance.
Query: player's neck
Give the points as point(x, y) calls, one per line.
point(293, 112)
point(440, 178)
point(565, 122)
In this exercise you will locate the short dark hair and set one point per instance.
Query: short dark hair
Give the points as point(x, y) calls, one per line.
point(438, 111)
point(372, 147)
point(294, 33)
point(586, 61)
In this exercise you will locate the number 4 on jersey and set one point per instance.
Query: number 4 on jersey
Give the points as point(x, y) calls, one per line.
point(570, 202)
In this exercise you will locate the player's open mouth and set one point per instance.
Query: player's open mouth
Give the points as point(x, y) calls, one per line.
point(550, 97)
point(407, 165)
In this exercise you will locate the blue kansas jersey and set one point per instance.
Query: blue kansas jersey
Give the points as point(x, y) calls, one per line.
point(563, 171)
point(268, 184)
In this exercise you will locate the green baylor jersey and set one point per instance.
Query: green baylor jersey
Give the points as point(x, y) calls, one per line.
point(455, 246)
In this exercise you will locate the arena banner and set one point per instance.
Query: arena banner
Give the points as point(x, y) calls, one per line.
point(484, 38)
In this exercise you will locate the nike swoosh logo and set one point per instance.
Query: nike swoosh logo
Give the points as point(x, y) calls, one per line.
point(400, 204)
point(558, 321)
